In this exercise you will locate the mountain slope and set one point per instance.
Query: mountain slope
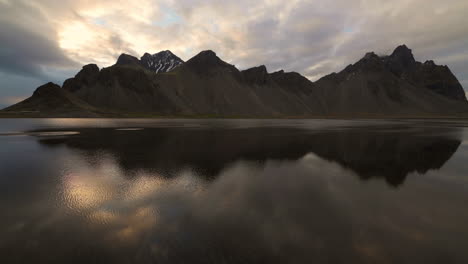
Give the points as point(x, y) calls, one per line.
point(51, 100)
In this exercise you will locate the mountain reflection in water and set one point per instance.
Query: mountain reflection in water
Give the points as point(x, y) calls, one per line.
point(387, 152)
point(142, 193)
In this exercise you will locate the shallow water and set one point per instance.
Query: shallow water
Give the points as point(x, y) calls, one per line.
point(233, 191)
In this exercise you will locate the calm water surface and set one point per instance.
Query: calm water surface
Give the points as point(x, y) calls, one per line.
point(233, 191)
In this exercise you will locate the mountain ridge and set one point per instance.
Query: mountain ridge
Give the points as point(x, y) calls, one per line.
point(205, 85)
point(163, 61)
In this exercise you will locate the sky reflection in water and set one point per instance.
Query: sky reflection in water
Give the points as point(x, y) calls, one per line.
point(157, 191)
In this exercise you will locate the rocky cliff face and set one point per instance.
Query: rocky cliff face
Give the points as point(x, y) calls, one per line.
point(436, 78)
point(390, 85)
point(375, 86)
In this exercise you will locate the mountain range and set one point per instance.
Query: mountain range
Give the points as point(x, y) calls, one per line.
point(205, 86)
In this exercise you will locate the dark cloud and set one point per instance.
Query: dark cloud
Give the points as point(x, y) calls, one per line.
point(28, 53)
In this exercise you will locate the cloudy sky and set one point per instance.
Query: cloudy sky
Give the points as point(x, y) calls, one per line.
point(49, 40)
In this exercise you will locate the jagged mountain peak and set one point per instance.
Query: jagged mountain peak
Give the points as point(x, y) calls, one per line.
point(370, 62)
point(163, 61)
point(90, 68)
point(207, 62)
point(429, 63)
point(258, 69)
point(87, 76)
point(370, 55)
point(402, 50)
point(258, 75)
point(206, 56)
point(157, 54)
point(164, 52)
point(400, 61)
point(278, 72)
point(262, 68)
point(208, 53)
point(403, 55)
point(290, 78)
point(126, 59)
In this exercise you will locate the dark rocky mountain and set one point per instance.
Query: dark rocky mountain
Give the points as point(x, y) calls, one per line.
point(380, 86)
point(437, 78)
point(375, 86)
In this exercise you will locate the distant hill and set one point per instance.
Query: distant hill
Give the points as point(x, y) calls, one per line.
point(163, 85)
